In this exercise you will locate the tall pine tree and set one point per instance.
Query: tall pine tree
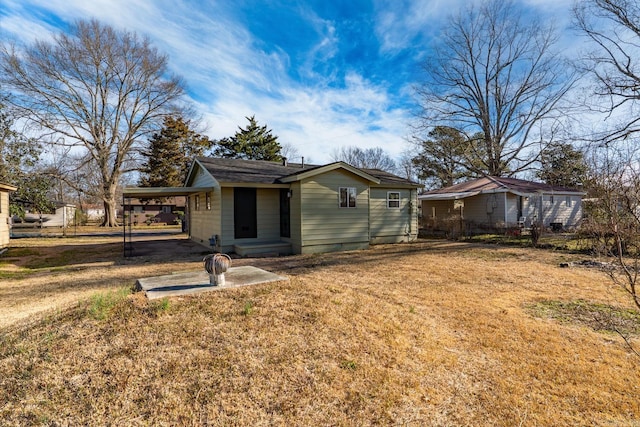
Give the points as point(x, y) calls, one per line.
point(170, 152)
point(442, 157)
point(254, 143)
point(562, 165)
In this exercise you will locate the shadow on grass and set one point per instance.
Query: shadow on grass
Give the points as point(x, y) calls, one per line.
point(69, 255)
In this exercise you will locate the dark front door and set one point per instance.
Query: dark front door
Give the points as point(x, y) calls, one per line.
point(245, 217)
point(285, 213)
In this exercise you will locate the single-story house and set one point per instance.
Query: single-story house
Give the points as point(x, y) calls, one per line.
point(250, 206)
point(94, 212)
point(5, 218)
point(495, 202)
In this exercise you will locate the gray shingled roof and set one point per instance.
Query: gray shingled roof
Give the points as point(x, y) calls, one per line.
point(256, 171)
point(499, 183)
point(264, 172)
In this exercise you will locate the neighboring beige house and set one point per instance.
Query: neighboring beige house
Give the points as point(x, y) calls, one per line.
point(5, 219)
point(251, 207)
point(492, 202)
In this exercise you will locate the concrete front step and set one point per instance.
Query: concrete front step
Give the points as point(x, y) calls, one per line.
point(264, 248)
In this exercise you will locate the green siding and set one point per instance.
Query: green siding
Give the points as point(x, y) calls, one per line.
point(323, 222)
point(389, 225)
point(268, 212)
point(205, 223)
point(203, 179)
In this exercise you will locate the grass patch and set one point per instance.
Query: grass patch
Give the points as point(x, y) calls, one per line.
point(102, 304)
point(555, 241)
point(597, 316)
point(349, 365)
point(248, 308)
point(14, 275)
point(161, 306)
point(17, 253)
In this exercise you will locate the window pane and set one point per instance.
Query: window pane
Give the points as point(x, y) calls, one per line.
point(352, 197)
point(343, 197)
point(393, 199)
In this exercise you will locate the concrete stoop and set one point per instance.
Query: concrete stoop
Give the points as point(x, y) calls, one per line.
point(198, 281)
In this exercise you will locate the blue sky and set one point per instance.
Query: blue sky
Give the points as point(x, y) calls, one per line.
point(320, 74)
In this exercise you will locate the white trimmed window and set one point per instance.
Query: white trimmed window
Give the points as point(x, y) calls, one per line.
point(347, 197)
point(393, 200)
point(208, 201)
point(196, 203)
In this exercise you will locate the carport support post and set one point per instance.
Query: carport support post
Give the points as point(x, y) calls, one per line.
point(124, 230)
point(124, 227)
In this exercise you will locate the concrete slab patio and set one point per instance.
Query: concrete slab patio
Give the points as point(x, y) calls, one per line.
point(198, 281)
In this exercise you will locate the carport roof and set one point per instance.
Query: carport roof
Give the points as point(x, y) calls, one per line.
point(150, 192)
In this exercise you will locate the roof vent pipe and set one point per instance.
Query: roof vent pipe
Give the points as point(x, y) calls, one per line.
point(302, 161)
point(284, 162)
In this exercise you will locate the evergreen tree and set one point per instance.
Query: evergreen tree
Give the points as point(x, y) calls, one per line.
point(442, 156)
point(254, 142)
point(170, 152)
point(562, 165)
point(19, 166)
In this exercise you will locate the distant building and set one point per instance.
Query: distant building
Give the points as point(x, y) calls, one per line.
point(154, 211)
point(490, 203)
point(62, 216)
point(94, 212)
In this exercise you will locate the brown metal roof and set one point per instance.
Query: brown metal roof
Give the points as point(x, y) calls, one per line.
point(500, 184)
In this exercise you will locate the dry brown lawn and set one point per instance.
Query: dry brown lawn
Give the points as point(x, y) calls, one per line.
point(432, 333)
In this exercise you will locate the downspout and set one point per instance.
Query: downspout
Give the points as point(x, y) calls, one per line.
point(506, 222)
point(124, 229)
point(410, 214)
point(368, 212)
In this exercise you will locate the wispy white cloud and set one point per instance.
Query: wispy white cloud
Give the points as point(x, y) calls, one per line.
point(311, 103)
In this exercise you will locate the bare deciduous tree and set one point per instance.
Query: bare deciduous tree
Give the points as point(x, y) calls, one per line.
point(613, 219)
point(95, 88)
point(368, 158)
point(495, 73)
point(614, 27)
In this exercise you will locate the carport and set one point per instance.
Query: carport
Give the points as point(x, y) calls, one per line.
point(129, 193)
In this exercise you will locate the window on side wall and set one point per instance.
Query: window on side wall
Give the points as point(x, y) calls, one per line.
point(393, 200)
point(208, 201)
point(196, 203)
point(568, 201)
point(347, 197)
